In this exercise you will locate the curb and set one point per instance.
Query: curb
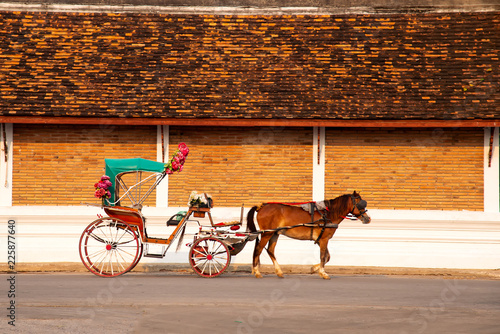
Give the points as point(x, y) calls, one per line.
point(76, 267)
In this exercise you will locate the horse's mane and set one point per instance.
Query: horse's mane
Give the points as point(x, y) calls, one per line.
point(339, 204)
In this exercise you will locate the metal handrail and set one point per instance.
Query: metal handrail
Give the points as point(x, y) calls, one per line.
point(136, 200)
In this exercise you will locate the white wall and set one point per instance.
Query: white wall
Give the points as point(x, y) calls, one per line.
point(421, 239)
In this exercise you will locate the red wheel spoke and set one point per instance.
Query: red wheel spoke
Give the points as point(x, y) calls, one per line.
point(110, 247)
point(209, 257)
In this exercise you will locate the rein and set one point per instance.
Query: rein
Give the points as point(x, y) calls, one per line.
point(296, 203)
point(324, 218)
point(312, 225)
point(361, 206)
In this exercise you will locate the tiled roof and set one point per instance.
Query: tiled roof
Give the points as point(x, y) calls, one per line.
point(439, 66)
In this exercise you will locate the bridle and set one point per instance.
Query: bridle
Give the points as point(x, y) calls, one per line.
point(361, 206)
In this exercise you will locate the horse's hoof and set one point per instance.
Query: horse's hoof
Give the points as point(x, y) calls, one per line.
point(314, 269)
point(325, 276)
point(280, 275)
point(258, 275)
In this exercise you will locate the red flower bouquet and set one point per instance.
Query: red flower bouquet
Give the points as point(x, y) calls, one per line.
point(178, 159)
point(101, 188)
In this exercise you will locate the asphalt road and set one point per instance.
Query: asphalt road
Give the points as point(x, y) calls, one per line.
point(238, 303)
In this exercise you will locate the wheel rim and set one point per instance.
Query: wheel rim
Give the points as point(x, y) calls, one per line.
point(110, 247)
point(209, 257)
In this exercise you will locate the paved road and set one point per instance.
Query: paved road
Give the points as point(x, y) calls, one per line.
point(238, 303)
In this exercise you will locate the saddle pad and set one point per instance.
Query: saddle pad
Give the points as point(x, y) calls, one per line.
point(319, 206)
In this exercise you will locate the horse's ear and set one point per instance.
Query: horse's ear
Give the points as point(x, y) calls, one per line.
point(354, 193)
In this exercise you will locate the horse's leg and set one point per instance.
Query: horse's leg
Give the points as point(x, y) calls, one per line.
point(259, 246)
point(324, 257)
point(270, 251)
point(316, 267)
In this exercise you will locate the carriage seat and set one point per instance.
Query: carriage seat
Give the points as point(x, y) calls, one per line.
point(129, 215)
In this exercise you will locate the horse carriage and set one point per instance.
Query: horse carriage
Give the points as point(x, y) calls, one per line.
point(113, 245)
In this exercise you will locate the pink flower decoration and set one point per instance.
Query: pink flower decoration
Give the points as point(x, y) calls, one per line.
point(175, 165)
point(102, 187)
point(178, 159)
point(100, 193)
point(181, 158)
point(184, 149)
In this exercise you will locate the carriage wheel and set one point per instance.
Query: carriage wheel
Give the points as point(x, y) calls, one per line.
point(110, 247)
point(209, 257)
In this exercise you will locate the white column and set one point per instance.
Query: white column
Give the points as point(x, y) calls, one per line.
point(162, 143)
point(318, 164)
point(491, 172)
point(6, 141)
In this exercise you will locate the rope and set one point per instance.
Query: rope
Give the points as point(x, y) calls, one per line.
point(293, 204)
point(294, 226)
point(290, 203)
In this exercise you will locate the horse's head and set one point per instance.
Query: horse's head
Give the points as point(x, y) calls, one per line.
point(359, 208)
point(344, 205)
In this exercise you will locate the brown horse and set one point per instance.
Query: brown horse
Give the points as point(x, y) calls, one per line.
point(294, 222)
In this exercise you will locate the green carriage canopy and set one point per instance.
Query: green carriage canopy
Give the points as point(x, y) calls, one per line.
point(115, 167)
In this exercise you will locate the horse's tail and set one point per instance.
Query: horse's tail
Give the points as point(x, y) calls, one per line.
point(250, 222)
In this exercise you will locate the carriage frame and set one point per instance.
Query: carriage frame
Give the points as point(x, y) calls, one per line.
point(114, 244)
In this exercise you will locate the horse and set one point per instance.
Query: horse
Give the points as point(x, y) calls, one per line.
point(275, 219)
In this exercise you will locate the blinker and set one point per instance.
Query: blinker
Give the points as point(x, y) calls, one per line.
point(361, 205)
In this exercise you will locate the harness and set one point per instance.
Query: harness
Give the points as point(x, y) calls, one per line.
point(327, 223)
point(323, 218)
point(361, 206)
